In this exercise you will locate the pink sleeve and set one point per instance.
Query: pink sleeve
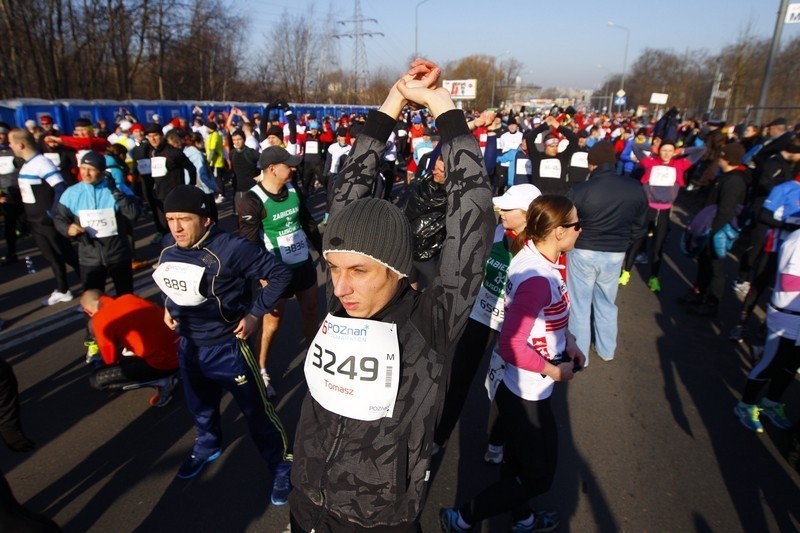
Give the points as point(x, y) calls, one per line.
point(531, 297)
point(788, 283)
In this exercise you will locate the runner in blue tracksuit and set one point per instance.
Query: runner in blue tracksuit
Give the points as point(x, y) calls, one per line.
point(205, 274)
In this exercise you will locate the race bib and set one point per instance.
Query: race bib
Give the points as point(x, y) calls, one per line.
point(402, 133)
point(180, 282)
point(55, 157)
point(550, 168)
point(353, 367)
point(143, 166)
point(158, 167)
point(26, 190)
point(580, 160)
point(524, 167)
point(98, 223)
point(488, 309)
point(663, 176)
point(312, 147)
point(7, 164)
point(293, 248)
point(494, 376)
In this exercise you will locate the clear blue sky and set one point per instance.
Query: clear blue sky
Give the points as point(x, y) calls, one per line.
point(564, 43)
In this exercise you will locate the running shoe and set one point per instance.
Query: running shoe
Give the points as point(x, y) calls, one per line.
point(748, 416)
point(92, 352)
point(270, 389)
point(138, 265)
point(194, 465)
point(219, 199)
point(640, 259)
point(737, 334)
point(741, 288)
point(654, 284)
point(493, 455)
point(282, 485)
point(543, 521)
point(58, 297)
point(164, 389)
point(624, 277)
point(693, 297)
point(775, 412)
point(448, 520)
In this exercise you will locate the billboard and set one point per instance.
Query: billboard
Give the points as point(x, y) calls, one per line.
point(461, 89)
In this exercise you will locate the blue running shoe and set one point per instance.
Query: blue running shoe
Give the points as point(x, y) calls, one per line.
point(282, 485)
point(194, 465)
point(448, 520)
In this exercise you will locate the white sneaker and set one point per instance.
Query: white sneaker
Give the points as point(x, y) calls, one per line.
point(493, 455)
point(219, 199)
point(58, 297)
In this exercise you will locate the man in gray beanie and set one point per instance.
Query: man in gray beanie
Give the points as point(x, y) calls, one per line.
point(375, 368)
point(613, 214)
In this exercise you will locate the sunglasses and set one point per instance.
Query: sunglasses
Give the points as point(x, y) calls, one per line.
point(576, 225)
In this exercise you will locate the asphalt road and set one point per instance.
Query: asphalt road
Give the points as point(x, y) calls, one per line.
point(648, 441)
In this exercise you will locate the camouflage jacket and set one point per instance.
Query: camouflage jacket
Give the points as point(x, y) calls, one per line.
point(372, 474)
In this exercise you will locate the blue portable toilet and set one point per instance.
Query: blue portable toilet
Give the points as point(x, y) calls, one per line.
point(112, 111)
point(35, 109)
point(144, 110)
point(171, 109)
point(7, 115)
point(75, 109)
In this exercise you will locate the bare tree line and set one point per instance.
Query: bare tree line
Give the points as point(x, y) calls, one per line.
point(688, 77)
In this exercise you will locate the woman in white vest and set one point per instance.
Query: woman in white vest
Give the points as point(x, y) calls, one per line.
point(536, 350)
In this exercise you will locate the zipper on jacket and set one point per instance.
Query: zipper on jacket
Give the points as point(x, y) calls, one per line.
point(324, 478)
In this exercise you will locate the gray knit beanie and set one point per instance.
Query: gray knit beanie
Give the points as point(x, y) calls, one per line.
point(374, 228)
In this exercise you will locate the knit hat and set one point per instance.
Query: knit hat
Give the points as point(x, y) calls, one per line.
point(186, 199)
point(373, 228)
point(153, 128)
point(95, 160)
point(733, 153)
point(276, 131)
point(602, 152)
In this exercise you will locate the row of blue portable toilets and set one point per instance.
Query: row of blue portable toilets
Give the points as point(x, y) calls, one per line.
point(66, 112)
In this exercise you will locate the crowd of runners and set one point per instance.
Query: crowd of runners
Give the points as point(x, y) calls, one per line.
point(446, 236)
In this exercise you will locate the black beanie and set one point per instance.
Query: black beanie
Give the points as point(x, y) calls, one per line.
point(94, 159)
point(186, 199)
point(602, 152)
point(374, 228)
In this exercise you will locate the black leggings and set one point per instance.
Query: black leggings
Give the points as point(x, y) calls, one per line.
point(466, 360)
point(57, 251)
point(764, 268)
point(778, 365)
point(659, 229)
point(531, 455)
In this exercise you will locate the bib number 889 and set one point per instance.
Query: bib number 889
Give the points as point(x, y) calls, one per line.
point(326, 360)
point(175, 284)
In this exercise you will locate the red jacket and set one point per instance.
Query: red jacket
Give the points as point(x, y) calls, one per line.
point(138, 325)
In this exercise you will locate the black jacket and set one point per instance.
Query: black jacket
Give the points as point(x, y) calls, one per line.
point(176, 162)
point(612, 210)
point(729, 191)
point(426, 210)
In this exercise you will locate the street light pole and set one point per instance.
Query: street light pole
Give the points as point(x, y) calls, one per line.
point(416, 29)
point(494, 74)
point(773, 52)
point(625, 57)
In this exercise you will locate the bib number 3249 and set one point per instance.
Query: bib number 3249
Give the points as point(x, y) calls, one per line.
point(353, 367)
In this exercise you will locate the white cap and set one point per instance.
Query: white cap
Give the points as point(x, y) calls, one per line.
point(517, 197)
point(125, 125)
point(30, 123)
point(156, 117)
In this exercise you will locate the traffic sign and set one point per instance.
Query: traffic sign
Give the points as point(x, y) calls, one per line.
point(620, 101)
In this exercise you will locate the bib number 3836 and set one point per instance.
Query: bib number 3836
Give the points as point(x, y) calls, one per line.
point(353, 367)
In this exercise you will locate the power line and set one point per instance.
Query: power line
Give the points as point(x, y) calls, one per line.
point(357, 33)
